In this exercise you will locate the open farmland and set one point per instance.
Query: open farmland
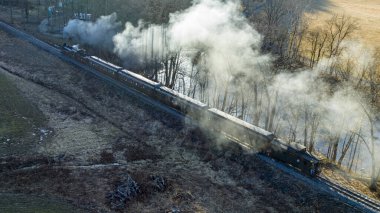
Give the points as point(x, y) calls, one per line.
point(366, 12)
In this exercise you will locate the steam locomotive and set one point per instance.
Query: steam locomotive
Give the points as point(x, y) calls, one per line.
point(247, 135)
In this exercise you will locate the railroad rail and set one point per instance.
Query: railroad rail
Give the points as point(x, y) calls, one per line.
point(354, 199)
point(360, 198)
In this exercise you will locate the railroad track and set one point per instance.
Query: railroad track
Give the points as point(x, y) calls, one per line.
point(354, 199)
point(357, 197)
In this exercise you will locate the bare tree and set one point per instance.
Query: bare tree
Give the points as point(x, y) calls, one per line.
point(171, 65)
point(348, 140)
point(11, 4)
point(339, 28)
point(375, 171)
point(311, 124)
point(272, 111)
point(354, 153)
point(317, 41)
point(314, 125)
point(257, 104)
point(26, 9)
point(332, 151)
point(374, 80)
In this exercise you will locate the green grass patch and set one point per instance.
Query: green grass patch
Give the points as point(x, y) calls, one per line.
point(17, 115)
point(12, 203)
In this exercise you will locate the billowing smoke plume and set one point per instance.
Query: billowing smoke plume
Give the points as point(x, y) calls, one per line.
point(98, 34)
point(218, 28)
point(230, 43)
point(339, 109)
point(229, 46)
point(139, 45)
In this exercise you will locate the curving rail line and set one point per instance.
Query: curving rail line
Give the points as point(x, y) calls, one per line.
point(360, 198)
point(363, 202)
point(352, 198)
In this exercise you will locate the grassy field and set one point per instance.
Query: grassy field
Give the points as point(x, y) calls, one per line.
point(17, 115)
point(366, 12)
point(10, 203)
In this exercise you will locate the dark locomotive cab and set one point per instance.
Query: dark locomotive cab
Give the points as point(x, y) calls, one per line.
point(295, 155)
point(74, 52)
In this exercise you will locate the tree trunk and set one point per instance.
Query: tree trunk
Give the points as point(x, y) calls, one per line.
point(373, 184)
point(335, 149)
point(225, 97)
point(345, 148)
point(353, 155)
point(256, 117)
point(273, 113)
point(306, 127)
point(26, 7)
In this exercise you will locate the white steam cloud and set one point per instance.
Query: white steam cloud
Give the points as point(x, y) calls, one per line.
point(230, 46)
point(98, 34)
point(136, 45)
point(341, 109)
point(231, 43)
point(218, 28)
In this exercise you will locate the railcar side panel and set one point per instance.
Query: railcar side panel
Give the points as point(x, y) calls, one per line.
point(182, 103)
point(238, 130)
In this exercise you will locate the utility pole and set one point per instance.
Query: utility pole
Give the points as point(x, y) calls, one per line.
point(38, 9)
point(11, 8)
point(26, 7)
point(106, 7)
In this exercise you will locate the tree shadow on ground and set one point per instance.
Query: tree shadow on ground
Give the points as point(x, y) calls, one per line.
point(319, 6)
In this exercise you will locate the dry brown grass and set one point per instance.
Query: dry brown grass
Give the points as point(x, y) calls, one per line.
point(367, 13)
point(349, 180)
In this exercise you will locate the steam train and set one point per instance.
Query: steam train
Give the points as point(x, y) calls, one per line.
point(247, 135)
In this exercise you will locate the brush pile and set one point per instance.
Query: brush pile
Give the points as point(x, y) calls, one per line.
point(125, 191)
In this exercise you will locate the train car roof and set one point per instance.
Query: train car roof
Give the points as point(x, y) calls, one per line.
point(140, 77)
point(105, 62)
point(243, 123)
point(69, 48)
point(279, 143)
point(185, 97)
point(74, 48)
point(295, 146)
point(299, 148)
